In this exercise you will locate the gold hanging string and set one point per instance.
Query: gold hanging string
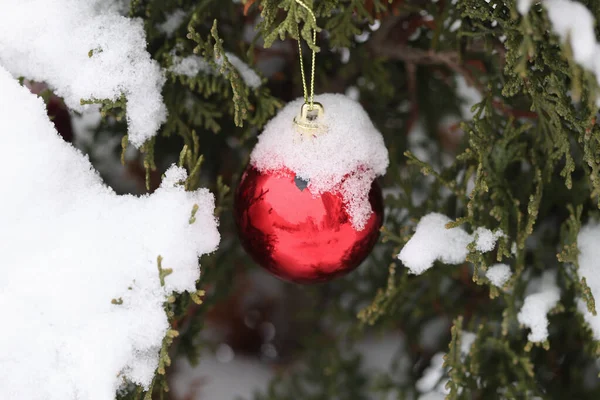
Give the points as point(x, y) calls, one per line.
point(308, 99)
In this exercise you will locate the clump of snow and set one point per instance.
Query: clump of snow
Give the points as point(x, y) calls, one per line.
point(572, 20)
point(523, 6)
point(172, 22)
point(574, 23)
point(469, 95)
point(431, 385)
point(485, 240)
point(71, 246)
point(85, 50)
point(345, 156)
point(455, 25)
point(589, 268)
point(433, 241)
point(192, 65)
point(353, 92)
point(537, 305)
point(498, 274)
point(466, 342)
point(432, 375)
point(250, 77)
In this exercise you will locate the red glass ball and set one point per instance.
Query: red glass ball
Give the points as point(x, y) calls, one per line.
point(298, 236)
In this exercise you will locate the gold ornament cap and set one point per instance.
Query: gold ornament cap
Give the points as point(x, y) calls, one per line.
point(310, 119)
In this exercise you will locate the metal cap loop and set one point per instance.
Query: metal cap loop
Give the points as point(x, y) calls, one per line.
point(310, 119)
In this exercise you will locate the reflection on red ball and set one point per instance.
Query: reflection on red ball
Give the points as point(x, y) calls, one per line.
point(299, 237)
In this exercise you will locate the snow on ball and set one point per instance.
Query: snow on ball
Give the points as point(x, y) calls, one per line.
point(345, 157)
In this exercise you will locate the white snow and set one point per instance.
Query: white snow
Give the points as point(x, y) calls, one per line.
point(432, 374)
point(431, 385)
point(498, 274)
point(84, 49)
point(574, 23)
point(192, 65)
point(346, 155)
point(537, 305)
point(469, 95)
point(250, 77)
point(432, 241)
point(212, 378)
point(466, 342)
point(485, 240)
point(172, 22)
point(523, 6)
point(589, 268)
point(455, 25)
point(70, 246)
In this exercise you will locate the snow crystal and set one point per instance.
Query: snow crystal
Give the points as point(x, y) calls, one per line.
point(80, 282)
point(498, 274)
point(172, 22)
point(536, 306)
point(589, 268)
point(84, 50)
point(346, 156)
point(193, 65)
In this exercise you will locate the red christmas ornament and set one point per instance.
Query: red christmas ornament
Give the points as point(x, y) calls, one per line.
point(298, 236)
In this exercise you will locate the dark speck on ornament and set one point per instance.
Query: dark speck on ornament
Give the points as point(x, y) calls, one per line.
point(300, 183)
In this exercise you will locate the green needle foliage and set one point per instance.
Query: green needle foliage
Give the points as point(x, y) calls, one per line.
point(525, 160)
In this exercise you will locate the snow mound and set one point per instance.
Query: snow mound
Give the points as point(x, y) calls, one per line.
point(80, 284)
point(432, 241)
point(486, 240)
point(345, 157)
point(84, 49)
point(498, 274)
point(534, 313)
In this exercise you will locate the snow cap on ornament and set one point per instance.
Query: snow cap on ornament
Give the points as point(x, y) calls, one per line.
point(341, 152)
